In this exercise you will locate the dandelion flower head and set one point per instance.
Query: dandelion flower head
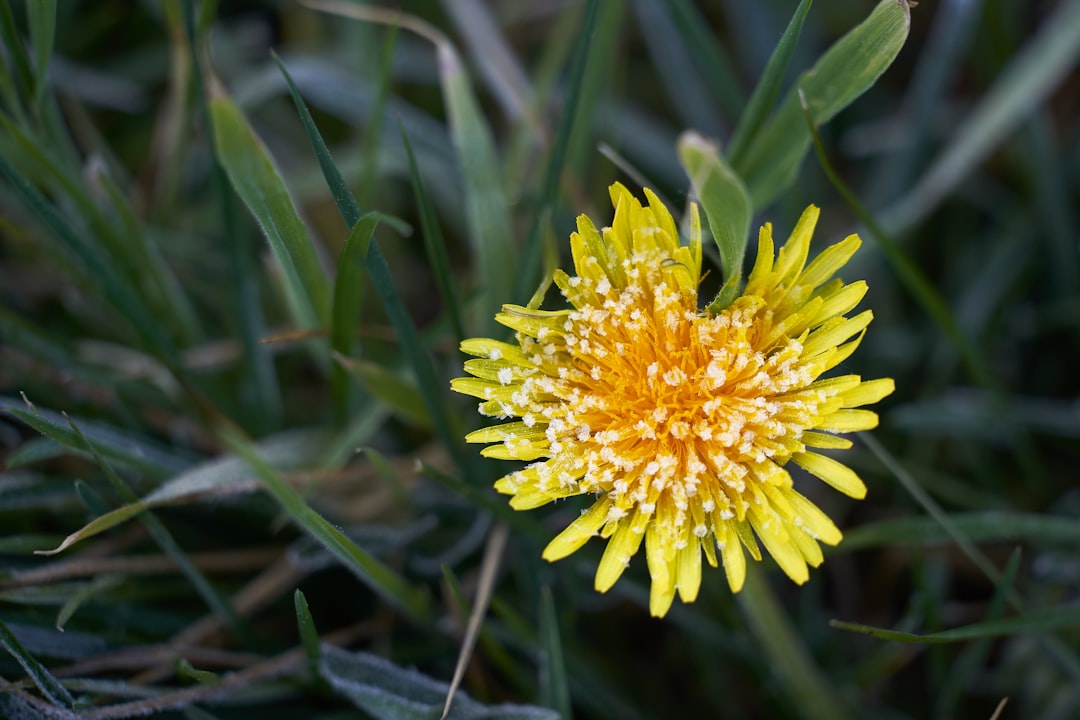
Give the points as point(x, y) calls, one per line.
point(679, 423)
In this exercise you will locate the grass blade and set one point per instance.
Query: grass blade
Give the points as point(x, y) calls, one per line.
point(49, 685)
point(768, 87)
point(557, 158)
point(772, 160)
point(1057, 619)
point(706, 48)
point(257, 181)
point(554, 687)
point(16, 52)
point(41, 15)
point(808, 689)
point(412, 601)
point(167, 543)
point(1038, 68)
point(347, 300)
point(381, 279)
point(994, 526)
point(434, 243)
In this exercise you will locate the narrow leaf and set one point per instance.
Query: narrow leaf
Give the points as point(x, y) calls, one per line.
point(348, 295)
point(42, 17)
point(768, 87)
point(726, 205)
point(309, 636)
point(434, 243)
point(394, 588)
point(49, 685)
point(554, 687)
point(842, 74)
point(579, 61)
point(1064, 617)
point(397, 393)
point(258, 183)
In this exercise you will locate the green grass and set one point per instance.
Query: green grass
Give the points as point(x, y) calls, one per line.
point(239, 246)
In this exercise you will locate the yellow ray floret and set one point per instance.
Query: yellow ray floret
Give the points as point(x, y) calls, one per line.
point(679, 423)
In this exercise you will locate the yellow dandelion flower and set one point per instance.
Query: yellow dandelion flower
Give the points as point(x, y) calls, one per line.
point(678, 422)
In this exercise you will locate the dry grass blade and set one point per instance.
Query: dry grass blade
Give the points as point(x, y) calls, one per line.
point(492, 554)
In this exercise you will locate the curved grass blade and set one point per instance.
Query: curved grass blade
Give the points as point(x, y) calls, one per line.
point(579, 62)
point(396, 392)
point(348, 297)
point(95, 587)
point(382, 281)
point(1066, 617)
point(846, 70)
point(768, 87)
point(168, 544)
point(726, 205)
point(16, 53)
point(49, 685)
point(257, 181)
point(967, 664)
point(413, 601)
point(1043, 62)
point(808, 689)
point(434, 243)
point(977, 526)
point(134, 452)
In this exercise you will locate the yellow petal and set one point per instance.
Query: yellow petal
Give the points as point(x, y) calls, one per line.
point(689, 570)
point(848, 421)
point(830, 471)
point(869, 392)
point(659, 554)
point(825, 441)
point(578, 532)
point(814, 521)
point(507, 431)
point(792, 257)
point(621, 547)
point(758, 282)
point(834, 332)
point(841, 301)
point(783, 551)
point(734, 560)
point(831, 259)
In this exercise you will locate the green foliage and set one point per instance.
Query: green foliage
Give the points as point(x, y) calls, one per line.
point(233, 286)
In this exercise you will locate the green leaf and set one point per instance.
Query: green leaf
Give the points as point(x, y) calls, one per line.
point(168, 544)
point(136, 452)
point(976, 526)
point(1040, 66)
point(431, 389)
point(42, 17)
point(309, 636)
point(252, 174)
point(486, 211)
point(391, 586)
point(434, 243)
point(212, 479)
point(348, 296)
point(87, 591)
point(583, 49)
point(709, 53)
point(1057, 619)
point(767, 90)
point(49, 685)
point(726, 205)
point(388, 692)
point(780, 644)
point(842, 74)
point(400, 395)
point(554, 687)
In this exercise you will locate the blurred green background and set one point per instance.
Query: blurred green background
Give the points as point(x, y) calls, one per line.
point(291, 422)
